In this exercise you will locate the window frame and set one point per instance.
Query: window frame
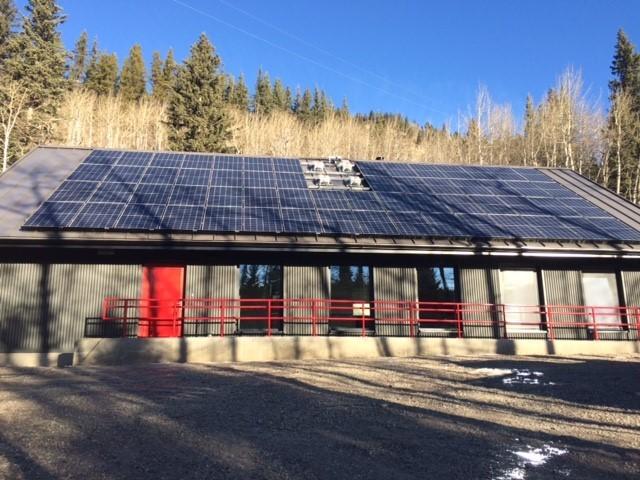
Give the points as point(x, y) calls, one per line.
point(517, 327)
point(457, 295)
point(621, 317)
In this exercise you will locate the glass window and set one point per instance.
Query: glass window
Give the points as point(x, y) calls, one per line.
point(437, 285)
point(601, 291)
point(520, 295)
point(352, 284)
point(259, 282)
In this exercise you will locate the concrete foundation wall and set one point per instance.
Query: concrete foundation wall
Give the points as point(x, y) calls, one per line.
point(258, 349)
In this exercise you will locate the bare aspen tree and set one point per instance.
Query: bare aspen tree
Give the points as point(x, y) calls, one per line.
point(13, 100)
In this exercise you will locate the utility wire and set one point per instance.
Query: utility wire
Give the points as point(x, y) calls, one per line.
point(324, 51)
point(303, 57)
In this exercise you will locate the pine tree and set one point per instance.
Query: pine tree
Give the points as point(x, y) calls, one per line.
point(241, 94)
point(343, 111)
point(133, 80)
point(102, 74)
point(37, 56)
point(303, 105)
point(196, 117)
point(280, 100)
point(263, 97)
point(7, 22)
point(163, 76)
point(78, 67)
point(625, 67)
point(320, 105)
point(289, 99)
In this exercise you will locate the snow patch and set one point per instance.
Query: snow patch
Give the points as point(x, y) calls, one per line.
point(532, 457)
point(516, 376)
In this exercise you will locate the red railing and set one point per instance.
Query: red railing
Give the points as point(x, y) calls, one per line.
point(225, 316)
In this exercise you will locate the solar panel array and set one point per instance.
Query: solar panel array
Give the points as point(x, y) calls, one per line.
point(136, 191)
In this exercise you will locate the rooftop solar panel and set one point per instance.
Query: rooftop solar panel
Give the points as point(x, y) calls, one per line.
point(196, 192)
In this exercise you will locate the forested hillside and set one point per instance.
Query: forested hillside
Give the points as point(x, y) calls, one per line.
point(84, 98)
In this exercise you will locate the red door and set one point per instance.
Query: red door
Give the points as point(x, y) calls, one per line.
point(162, 288)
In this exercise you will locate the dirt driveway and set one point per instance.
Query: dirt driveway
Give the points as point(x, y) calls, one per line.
point(418, 418)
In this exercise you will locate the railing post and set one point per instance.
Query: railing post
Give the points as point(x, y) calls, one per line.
point(412, 329)
point(269, 317)
point(125, 333)
point(459, 320)
point(596, 335)
point(503, 313)
point(222, 314)
point(314, 328)
point(550, 331)
point(362, 312)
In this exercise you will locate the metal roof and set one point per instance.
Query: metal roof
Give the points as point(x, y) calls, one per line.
point(29, 182)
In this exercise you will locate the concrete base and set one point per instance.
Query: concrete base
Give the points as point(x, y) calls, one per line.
point(57, 359)
point(113, 351)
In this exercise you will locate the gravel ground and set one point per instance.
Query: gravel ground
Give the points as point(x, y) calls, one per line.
point(490, 417)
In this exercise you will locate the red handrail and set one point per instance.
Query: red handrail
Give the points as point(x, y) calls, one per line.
point(459, 319)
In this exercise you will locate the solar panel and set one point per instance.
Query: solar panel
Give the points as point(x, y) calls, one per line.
point(103, 157)
point(222, 219)
point(98, 215)
point(141, 217)
point(197, 192)
point(180, 217)
point(126, 173)
point(54, 214)
point(89, 171)
point(113, 192)
point(206, 162)
point(72, 191)
point(193, 176)
point(188, 195)
point(135, 159)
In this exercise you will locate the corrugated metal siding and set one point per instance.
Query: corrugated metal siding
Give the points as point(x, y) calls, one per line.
point(310, 283)
point(481, 286)
point(564, 287)
point(631, 284)
point(43, 307)
point(394, 285)
point(212, 281)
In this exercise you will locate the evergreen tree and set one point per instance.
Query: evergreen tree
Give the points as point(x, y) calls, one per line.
point(320, 105)
point(280, 100)
point(37, 57)
point(625, 67)
point(303, 105)
point(79, 61)
point(133, 80)
point(343, 111)
point(289, 99)
point(163, 76)
point(7, 22)
point(102, 74)
point(263, 98)
point(196, 117)
point(241, 94)
point(156, 74)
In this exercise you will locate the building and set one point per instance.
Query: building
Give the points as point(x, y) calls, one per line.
point(101, 243)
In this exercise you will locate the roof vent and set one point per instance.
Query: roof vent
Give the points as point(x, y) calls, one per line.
point(344, 166)
point(323, 180)
point(317, 166)
point(353, 181)
point(335, 159)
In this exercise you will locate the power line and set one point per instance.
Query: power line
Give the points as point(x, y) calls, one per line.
point(324, 51)
point(303, 57)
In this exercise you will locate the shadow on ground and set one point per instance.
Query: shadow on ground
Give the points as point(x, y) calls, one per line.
point(288, 420)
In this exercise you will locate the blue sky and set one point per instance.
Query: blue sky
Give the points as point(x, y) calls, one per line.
point(424, 59)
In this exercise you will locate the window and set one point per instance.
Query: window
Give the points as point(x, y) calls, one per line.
point(520, 295)
point(437, 285)
point(259, 282)
point(351, 283)
point(601, 291)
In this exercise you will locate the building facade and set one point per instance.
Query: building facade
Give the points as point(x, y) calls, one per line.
point(58, 285)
